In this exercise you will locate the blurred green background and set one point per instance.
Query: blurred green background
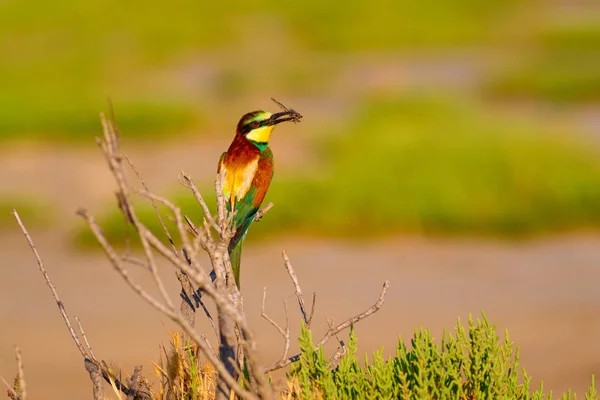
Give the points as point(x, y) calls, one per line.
point(429, 117)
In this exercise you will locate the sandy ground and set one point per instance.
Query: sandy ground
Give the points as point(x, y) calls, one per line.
point(545, 292)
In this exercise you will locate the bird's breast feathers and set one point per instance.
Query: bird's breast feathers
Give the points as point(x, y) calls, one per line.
point(236, 180)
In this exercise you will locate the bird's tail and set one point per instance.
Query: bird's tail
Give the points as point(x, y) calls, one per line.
point(235, 255)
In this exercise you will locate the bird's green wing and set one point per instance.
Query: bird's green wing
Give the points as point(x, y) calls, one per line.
point(245, 212)
point(242, 220)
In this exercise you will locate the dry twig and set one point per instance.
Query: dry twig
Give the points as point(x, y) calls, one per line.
point(134, 382)
point(306, 317)
point(334, 330)
point(96, 375)
point(341, 350)
point(85, 339)
point(21, 374)
point(19, 391)
point(261, 213)
point(156, 212)
point(91, 364)
point(187, 181)
point(59, 303)
point(9, 390)
point(284, 332)
point(351, 321)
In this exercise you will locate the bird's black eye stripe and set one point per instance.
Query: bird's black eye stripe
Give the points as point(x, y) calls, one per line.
point(250, 126)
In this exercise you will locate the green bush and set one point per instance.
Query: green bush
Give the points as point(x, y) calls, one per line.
point(466, 365)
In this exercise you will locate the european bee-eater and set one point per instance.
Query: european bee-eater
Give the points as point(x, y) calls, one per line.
point(246, 170)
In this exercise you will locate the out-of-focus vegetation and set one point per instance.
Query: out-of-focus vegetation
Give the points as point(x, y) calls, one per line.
point(74, 122)
point(164, 63)
point(428, 165)
point(448, 164)
point(562, 66)
point(36, 212)
point(417, 164)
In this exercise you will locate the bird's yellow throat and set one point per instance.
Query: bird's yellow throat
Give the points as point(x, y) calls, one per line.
point(261, 135)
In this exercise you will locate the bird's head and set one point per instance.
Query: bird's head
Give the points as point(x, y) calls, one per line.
point(258, 125)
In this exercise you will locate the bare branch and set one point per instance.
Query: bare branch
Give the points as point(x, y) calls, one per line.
point(335, 330)
point(115, 381)
point(292, 273)
point(109, 147)
point(187, 181)
point(265, 316)
point(134, 382)
point(229, 221)
point(187, 245)
point(85, 339)
point(351, 321)
point(221, 210)
point(193, 229)
point(284, 332)
point(21, 374)
point(96, 376)
point(210, 318)
point(341, 350)
point(160, 220)
point(210, 243)
point(9, 390)
point(262, 212)
point(59, 303)
point(187, 307)
point(190, 251)
point(135, 261)
point(208, 345)
point(312, 309)
point(115, 260)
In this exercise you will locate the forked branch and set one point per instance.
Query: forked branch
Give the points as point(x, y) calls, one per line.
point(285, 333)
point(305, 316)
point(332, 331)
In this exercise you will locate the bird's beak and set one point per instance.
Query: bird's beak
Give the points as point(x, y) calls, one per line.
point(289, 115)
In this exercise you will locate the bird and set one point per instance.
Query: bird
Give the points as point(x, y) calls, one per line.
point(245, 171)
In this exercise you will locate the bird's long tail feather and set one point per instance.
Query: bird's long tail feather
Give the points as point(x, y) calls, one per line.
point(235, 255)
